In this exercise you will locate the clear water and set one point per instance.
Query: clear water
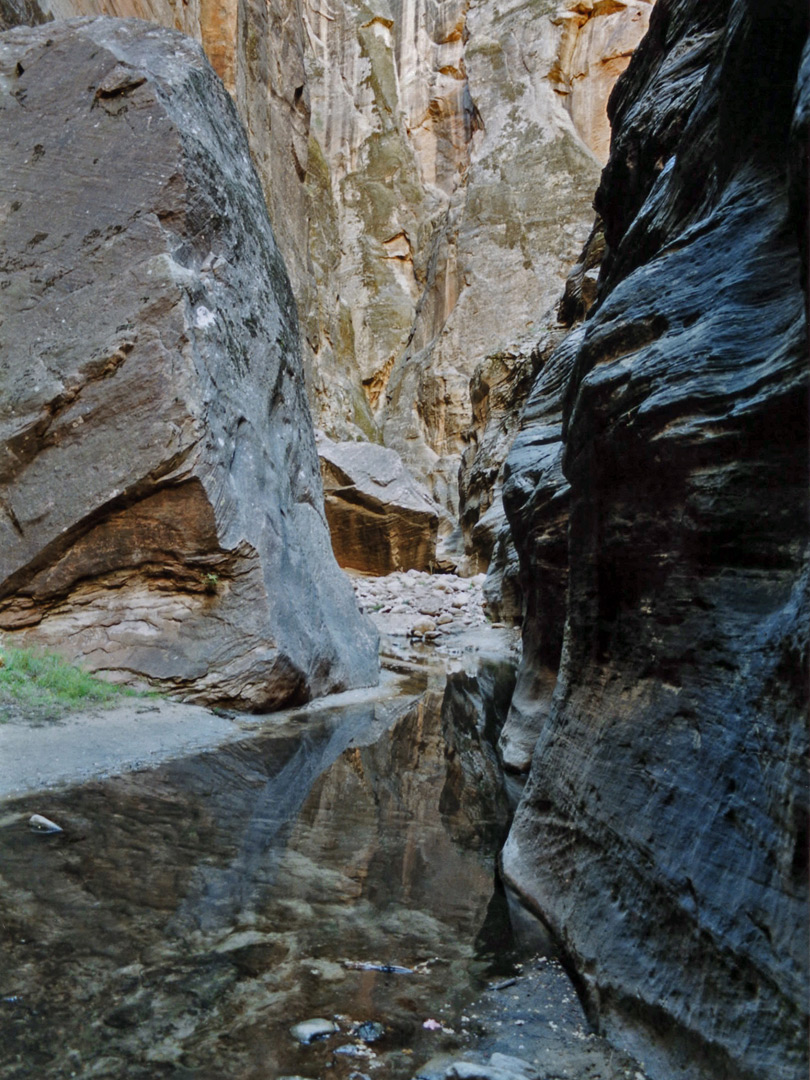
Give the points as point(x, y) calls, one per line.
point(190, 915)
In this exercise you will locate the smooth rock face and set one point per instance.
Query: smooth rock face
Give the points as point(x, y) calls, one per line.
point(380, 519)
point(161, 500)
point(428, 171)
point(663, 832)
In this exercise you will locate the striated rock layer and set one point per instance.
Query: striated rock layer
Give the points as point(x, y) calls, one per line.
point(161, 503)
point(663, 831)
point(380, 520)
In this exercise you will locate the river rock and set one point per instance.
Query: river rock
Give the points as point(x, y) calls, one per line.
point(499, 1067)
point(380, 518)
point(162, 512)
point(663, 831)
point(39, 823)
point(310, 1030)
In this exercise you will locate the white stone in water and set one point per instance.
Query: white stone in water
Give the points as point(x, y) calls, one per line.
point(44, 825)
point(316, 1028)
point(443, 620)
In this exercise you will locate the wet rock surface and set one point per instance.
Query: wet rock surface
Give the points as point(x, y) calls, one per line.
point(162, 508)
point(663, 830)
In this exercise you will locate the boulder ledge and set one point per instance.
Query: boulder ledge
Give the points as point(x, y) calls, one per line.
point(161, 508)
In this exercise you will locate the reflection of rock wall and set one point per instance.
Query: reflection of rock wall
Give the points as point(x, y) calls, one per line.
point(161, 496)
point(428, 170)
point(663, 831)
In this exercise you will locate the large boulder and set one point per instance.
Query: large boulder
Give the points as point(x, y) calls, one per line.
point(162, 513)
point(380, 518)
point(663, 831)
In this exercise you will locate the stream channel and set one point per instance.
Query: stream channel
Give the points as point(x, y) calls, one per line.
point(336, 864)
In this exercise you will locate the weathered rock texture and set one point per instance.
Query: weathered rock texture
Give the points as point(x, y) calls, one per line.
point(428, 170)
point(379, 518)
point(162, 508)
point(518, 205)
point(663, 832)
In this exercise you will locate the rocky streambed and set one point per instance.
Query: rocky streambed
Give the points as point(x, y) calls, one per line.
point(316, 896)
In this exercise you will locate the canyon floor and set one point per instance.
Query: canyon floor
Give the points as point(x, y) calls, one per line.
point(486, 995)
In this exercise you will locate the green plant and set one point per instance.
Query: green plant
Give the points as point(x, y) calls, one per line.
point(40, 682)
point(210, 582)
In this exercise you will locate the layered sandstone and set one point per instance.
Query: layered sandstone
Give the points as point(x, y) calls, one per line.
point(380, 520)
point(663, 832)
point(162, 513)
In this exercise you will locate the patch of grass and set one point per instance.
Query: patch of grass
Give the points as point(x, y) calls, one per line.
point(44, 686)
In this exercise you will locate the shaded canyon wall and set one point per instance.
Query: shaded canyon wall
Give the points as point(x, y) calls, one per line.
point(657, 492)
point(161, 508)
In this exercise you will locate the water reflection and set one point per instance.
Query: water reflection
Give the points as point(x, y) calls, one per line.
point(188, 916)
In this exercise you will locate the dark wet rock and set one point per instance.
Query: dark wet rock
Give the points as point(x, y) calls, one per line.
point(498, 388)
point(21, 13)
point(663, 832)
point(498, 391)
point(381, 519)
point(537, 500)
point(369, 1031)
point(161, 504)
point(581, 284)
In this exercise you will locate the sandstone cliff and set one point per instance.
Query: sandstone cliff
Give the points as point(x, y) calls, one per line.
point(162, 510)
point(662, 466)
point(428, 170)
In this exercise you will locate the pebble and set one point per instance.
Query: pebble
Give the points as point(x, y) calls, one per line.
point(42, 824)
point(369, 1031)
point(446, 602)
point(310, 1030)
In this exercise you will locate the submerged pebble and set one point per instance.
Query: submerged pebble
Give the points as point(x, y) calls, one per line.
point(42, 824)
point(310, 1030)
point(370, 1031)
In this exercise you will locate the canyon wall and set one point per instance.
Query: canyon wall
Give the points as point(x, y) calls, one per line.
point(161, 509)
point(428, 170)
point(454, 191)
point(662, 473)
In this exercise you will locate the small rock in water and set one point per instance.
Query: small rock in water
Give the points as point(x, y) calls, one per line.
point(42, 824)
point(369, 1032)
point(310, 1030)
point(354, 1050)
